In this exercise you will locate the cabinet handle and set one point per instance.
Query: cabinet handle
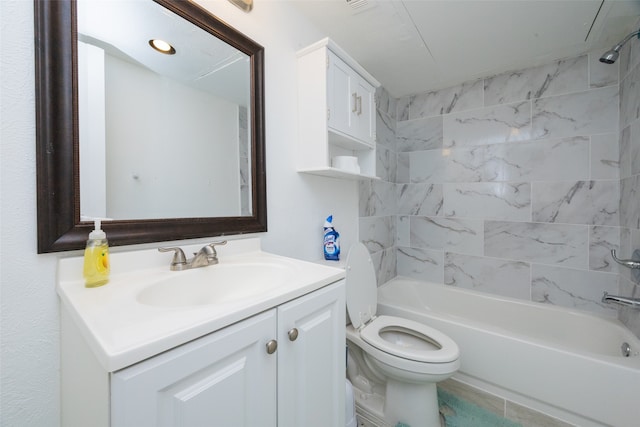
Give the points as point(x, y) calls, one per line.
point(293, 334)
point(359, 105)
point(272, 346)
point(355, 102)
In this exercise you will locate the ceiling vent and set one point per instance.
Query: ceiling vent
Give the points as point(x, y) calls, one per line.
point(358, 5)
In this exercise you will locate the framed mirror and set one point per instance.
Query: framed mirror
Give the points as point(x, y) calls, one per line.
point(106, 145)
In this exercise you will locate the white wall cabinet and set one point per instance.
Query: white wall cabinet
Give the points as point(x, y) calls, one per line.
point(351, 101)
point(337, 113)
point(227, 378)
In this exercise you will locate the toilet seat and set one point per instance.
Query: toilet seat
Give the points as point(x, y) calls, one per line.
point(438, 347)
point(361, 288)
point(362, 303)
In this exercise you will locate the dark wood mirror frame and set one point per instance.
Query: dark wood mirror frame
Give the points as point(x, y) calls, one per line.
point(58, 183)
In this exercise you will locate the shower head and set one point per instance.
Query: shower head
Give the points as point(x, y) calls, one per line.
point(611, 56)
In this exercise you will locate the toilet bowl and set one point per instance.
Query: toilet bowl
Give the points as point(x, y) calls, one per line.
point(394, 363)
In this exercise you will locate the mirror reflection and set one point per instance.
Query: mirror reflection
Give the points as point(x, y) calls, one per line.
point(161, 134)
point(58, 127)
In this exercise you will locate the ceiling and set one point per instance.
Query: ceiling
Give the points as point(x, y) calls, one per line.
point(124, 28)
point(413, 46)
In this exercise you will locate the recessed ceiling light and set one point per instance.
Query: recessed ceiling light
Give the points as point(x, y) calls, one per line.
point(162, 46)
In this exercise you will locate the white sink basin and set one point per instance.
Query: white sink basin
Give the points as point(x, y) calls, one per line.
point(216, 284)
point(146, 309)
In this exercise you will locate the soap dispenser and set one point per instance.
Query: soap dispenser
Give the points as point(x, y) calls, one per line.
point(96, 258)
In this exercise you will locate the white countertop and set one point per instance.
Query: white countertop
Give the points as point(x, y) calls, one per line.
point(121, 331)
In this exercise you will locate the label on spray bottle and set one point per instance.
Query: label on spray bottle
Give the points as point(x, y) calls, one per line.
point(331, 241)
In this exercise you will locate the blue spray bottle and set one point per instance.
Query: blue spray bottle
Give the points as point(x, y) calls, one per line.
point(331, 241)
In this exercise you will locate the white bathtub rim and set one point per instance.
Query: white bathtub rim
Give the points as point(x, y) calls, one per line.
point(629, 363)
point(565, 402)
point(537, 305)
point(632, 361)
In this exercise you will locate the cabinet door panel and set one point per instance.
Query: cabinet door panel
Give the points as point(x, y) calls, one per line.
point(339, 93)
point(225, 378)
point(366, 112)
point(205, 396)
point(311, 369)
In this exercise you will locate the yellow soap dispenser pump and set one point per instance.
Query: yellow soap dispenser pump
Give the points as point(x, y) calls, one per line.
point(96, 258)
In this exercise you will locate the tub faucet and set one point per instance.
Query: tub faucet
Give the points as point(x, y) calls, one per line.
point(207, 255)
point(625, 301)
point(632, 263)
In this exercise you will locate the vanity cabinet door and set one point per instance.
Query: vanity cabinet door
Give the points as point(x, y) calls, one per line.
point(311, 359)
point(223, 379)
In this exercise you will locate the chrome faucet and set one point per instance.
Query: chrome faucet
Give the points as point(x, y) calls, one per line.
point(633, 263)
point(207, 255)
point(625, 301)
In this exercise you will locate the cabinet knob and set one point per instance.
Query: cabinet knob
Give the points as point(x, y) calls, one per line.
point(293, 334)
point(272, 346)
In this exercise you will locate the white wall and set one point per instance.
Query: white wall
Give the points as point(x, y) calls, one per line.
point(91, 106)
point(297, 204)
point(198, 147)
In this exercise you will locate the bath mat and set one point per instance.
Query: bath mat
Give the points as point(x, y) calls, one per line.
point(460, 413)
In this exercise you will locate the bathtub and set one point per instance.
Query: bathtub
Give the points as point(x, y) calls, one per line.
point(564, 363)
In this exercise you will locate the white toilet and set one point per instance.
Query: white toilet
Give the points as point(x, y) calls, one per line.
point(394, 363)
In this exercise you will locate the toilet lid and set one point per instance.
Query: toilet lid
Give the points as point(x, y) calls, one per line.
point(440, 348)
point(361, 288)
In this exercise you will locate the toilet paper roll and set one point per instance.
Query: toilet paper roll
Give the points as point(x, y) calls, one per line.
point(346, 163)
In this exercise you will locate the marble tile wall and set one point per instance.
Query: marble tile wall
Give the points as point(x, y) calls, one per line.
point(629, 152)
point(378, 198)
point(512, 184)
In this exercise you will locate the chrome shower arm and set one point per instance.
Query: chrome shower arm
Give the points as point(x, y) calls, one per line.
point(625, 40)
point(610, 56)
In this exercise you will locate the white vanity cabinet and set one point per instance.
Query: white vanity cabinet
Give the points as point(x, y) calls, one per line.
point(282, 367)
point(337, 113)
point(225, 378)
point(312, 360)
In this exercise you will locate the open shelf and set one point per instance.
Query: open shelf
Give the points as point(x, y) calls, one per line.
point(337, 173)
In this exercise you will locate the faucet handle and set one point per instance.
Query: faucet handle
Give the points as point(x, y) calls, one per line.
point(179, 261)
point(630, 263)
point(210, 249)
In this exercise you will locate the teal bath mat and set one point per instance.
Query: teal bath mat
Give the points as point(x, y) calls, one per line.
point(460, 413)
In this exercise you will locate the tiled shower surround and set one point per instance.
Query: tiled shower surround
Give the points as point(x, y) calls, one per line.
point(518, 184)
